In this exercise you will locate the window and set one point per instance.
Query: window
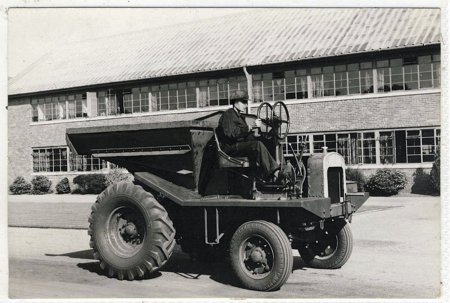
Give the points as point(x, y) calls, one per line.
point(340, 78)
point(368, 148)
point(383, 76)
point(86, 163)
point(267, 85)
point(387, 154)
point(135, 100)
point(318, 143)
point(413, 146)
point(346, 146)
point(316, 84)
point(106, 103)
point(296, 141)
point(301, 84)
point(397, 74)
point(328, 81)
point(428, 145)
point(425, 72)
point(213, 93)
point(366, 74)
point(411, 77)
point(34, 112)
point(52, 159)
point(222, 85)
point(203, 94)
point(290, 84)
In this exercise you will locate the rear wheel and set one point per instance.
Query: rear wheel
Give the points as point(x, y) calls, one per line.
point(332, 249)
point(131, 233)
point(261, 255)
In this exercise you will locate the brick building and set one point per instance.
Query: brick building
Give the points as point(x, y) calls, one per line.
point(363, 82)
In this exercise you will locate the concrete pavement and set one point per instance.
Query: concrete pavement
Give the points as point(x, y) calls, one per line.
point(50, 211)
point(72, 211)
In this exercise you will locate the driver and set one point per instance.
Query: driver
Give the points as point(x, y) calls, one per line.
point(237, 138)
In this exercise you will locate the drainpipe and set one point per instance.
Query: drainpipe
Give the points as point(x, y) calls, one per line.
point(249, 84)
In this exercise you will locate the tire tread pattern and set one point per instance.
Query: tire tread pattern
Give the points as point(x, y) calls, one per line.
point(276, 279)
point(163, 232)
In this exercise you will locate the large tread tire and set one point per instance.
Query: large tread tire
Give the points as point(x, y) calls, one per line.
point(342, 249)
point(277, 244)
point(130, 255)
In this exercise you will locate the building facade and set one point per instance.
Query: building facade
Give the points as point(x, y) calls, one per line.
point(362, 82)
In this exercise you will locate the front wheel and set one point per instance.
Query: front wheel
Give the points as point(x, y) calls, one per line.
point(261, 255)
point(131, 233)
point(331, 250)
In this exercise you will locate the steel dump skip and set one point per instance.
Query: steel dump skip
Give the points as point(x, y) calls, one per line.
point(172, 150)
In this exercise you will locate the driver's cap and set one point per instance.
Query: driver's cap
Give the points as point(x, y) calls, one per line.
point(239, 95)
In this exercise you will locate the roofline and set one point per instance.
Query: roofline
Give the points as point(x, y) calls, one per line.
point(236, 69)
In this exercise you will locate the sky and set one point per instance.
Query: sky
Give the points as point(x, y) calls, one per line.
point(32, 32)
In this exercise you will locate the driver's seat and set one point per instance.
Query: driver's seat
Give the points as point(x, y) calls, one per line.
point(226, 161)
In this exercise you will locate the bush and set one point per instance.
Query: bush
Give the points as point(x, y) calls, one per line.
point(90, 184)
point(63, 186)
point(422, 183)
point(20, 186)
point(435, 174)
point(357, 176)
point(118, 175)
point(41, 185)
point(386, 182)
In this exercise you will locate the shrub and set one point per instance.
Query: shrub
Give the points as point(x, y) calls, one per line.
point(422, 183)
point(118, 175)
point(386, 182)
point(435, 174)
point(90, 184)
point(63, 186)
point(20, 186)
point(357, 176)
point(41, 185)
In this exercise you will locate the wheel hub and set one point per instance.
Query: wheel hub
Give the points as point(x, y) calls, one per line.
point(126, 230)
point(130, 230)
point(257, 255)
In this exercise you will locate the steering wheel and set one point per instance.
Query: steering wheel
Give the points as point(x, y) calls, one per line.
point(265, 114)
point(280, 120)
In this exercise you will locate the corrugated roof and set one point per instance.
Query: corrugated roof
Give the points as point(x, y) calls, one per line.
point(257, 37)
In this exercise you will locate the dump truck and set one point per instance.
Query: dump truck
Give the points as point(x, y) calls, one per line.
point(188, 191)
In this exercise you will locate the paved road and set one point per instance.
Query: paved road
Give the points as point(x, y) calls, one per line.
point(396, 255)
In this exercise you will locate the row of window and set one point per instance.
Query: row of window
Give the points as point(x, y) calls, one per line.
point(371, 147)
point(409, 73)
point(59, 159)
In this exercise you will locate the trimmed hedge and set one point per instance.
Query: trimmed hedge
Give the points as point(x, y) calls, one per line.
point(63, 186)
point(90, 184)
point(386, 182)
point(435, 173)
point(118, 175)
point(422, 183)
point(41, 185)
point(357, 176)
point(20, 186)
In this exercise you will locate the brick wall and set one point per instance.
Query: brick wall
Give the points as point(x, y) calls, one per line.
point(368, 113)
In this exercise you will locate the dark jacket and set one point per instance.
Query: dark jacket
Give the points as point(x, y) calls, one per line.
point(232, 128)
